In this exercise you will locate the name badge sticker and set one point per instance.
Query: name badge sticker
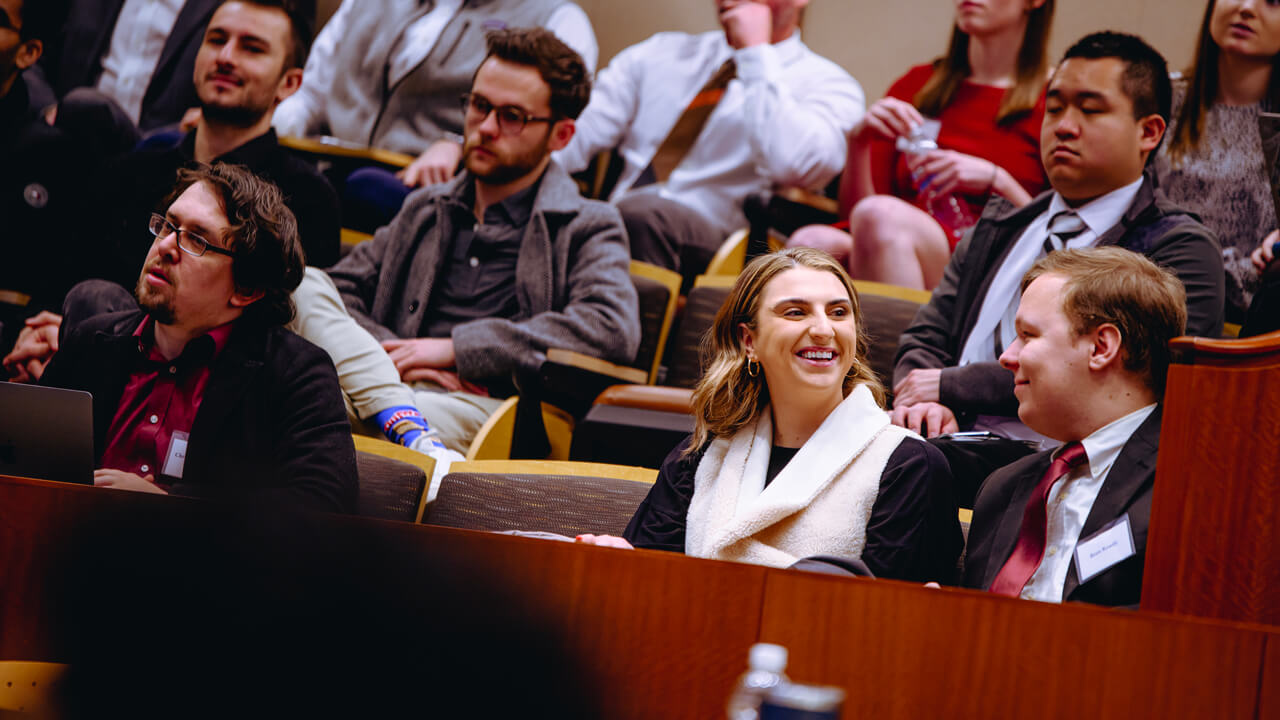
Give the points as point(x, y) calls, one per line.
point(1105, 548)
point(176, 458)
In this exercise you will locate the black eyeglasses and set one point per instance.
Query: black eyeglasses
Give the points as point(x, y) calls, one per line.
point(188, 242)
point(511, 119)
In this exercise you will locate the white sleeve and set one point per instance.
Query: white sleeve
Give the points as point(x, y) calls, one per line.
point(571, 24)
point(606, 119)
point(798, 132)
point(302, 113)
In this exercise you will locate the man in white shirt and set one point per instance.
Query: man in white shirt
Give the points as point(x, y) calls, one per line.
point(1089, 361)
point(388, 74)
point(1106, 110)
point(139, 53)
point(781, 119)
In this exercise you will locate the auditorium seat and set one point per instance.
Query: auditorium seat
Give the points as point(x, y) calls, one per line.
point(556, 497)
point(393, 480)
point(26, 687)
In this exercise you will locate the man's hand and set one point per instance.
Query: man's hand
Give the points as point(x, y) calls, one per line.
point(121, 480)
point(436, 165)
point(919, 386)
point(747, 24)
point(1266, 251)
point(937, 419)
point(36, 345)
point(190, 119)
point(446, 379)
point(417, 353)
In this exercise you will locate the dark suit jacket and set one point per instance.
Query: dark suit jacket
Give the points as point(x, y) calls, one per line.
point(76, 60)
point(1165, 233)
point(997, 518)
point(272, 419)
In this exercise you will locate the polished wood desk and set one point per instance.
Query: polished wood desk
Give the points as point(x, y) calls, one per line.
point(671, 633)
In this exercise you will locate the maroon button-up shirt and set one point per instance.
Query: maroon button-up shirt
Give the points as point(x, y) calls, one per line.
point(160, 398)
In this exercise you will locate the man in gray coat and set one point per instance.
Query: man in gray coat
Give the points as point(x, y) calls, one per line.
point(474, 280)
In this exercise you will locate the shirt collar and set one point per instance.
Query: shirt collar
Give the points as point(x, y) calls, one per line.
point(1101, 213)
point(1103, 445)
point(253, 153)
point(515, 210)
point(200, 351)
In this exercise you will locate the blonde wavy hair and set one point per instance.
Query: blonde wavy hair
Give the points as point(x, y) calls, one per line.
point(727, 398)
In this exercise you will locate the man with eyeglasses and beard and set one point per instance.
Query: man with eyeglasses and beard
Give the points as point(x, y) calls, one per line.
point(475, 279)
point(200, 390)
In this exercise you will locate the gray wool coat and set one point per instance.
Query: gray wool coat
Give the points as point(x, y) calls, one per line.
point(573, 283)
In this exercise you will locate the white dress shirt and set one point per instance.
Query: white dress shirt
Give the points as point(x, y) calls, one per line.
point(298, 112)
point(783, 120)
point(1070, 500)
point(1099, 216)
point(137, 42)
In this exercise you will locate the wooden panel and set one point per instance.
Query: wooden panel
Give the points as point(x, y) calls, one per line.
point(905, 651)
point(667, 634)
point(1269, 680)
point(1211, 545)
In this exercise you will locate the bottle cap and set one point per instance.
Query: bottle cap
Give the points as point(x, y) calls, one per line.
point(767, 656)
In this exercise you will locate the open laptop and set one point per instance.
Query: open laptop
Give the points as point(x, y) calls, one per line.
point(46, 433)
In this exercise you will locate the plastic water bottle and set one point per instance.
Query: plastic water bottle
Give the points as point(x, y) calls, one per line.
point(765, 665)
point(951, 212)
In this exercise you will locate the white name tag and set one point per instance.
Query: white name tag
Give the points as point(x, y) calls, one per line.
point(176, 458)
point(1104, 548)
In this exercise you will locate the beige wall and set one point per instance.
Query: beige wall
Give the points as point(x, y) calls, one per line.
point(877, 40)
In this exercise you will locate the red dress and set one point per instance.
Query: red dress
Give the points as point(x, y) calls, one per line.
point(968, 126)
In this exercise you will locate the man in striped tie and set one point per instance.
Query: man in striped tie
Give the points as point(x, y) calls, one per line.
point(702, 121)
point(1089, 361)
point(1105, 114)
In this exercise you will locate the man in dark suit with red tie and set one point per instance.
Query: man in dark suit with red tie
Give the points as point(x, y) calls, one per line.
point(1089, 365)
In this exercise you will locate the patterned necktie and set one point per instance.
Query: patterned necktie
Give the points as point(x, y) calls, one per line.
point(1064, 226)
point(1029, 550)
point(687, 128)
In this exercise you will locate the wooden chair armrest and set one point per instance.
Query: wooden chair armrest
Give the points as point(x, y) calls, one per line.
point(810, 198)
point(648, 397)
point(324, 145)
point(596, 365)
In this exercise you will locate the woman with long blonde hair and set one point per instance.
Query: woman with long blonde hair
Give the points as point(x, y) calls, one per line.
point(792, 453)
point(907, 210)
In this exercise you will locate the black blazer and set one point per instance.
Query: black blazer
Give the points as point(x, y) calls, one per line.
point(76, 61)
point(1152, 225)
point(997, 517)
point(272, 419)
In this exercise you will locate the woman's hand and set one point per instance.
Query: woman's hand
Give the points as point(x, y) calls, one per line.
point(888, 118)
point(604, 541)
point(948, 171)
point(1266, 251)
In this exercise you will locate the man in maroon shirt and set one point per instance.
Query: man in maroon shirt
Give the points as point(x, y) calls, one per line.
point(202, 391)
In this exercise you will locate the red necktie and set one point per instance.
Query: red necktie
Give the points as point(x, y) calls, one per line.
point(1029, 550)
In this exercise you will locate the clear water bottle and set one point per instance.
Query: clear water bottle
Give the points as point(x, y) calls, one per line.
point(765, 665)
point(950, 211)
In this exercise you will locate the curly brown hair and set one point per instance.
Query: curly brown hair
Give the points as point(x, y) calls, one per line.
point(263, 236)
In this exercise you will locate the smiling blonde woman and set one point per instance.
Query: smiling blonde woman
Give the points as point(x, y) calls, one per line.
point(792, 453)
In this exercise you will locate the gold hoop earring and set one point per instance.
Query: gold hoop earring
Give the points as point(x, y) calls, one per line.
point(753, 365)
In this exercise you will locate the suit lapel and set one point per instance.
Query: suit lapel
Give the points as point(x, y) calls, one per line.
point(112, 359)
point(1009, 524)
point(1133, 471)
point(230, 377)
point(191, 19)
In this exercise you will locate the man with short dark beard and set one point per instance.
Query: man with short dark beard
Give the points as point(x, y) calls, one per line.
point(201, 390)
point(474, 280)
point(250, 60)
